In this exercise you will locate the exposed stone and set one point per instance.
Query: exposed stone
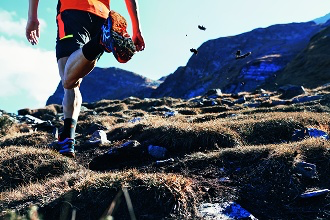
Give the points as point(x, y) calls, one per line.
point(99, 137)
point(128, 152)
point(213, 93)
point(290, 91)
point(157, 152)
point(306, 169)
point(94, 127)
point(241, 100)
point(24, 111)
point(315, 193)
point(307, 99)
point(300, 134)
point(225, 211)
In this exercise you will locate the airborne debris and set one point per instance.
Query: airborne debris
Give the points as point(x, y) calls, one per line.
point(201, 27)
point(241, 56)
point(194, 51)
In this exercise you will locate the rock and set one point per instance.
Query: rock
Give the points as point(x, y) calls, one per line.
point(32, 120)
point(157, 152)
point(160, 163)
point(224, 180)
point(170, 114)
point(24, 111)
point(306, 169)
point(252, 105)
point(227, 102)
point(315, 193)
point(161, 108)
point(226, 211)
point(279, 102)
point(307, 99)
point(45, 126)
point(131, 143)
point(134, 120)
point(213, 93)
point(307, 133)
point(128, 153)
point(241, 100)
point(208, 102)
point(99, 137)
point(94, 127)
point(290, 91)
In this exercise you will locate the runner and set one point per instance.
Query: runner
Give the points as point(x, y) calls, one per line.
point(82, 31)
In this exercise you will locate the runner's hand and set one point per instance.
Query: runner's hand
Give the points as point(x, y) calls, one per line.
point(138, 41)
point(32, 31)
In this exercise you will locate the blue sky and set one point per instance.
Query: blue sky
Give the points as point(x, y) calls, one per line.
point(29, 73)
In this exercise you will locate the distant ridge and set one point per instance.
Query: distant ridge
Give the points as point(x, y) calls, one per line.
point(323, 19)
point(109, 83)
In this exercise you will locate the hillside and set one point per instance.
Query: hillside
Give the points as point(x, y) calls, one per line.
point(242, 156)
point(311, 66)
point(215, 65)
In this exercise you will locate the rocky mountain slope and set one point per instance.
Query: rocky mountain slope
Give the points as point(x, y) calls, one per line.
point(109, 83)
point(221, 156)
point(310, 67)
point(215, 65)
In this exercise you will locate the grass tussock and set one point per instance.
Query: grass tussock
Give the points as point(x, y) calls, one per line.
point(180, 137)
point(40, 193)
point(7, 126)
point(24, 165)
point(37, 139)
point(269, 128)
point(153, 196)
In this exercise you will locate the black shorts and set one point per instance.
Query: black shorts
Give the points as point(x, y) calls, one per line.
point(74, 29)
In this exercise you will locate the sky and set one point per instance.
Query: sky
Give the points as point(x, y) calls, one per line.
point(29, 73)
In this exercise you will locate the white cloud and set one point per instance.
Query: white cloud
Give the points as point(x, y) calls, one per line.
point(26, 70)
point(11, 25)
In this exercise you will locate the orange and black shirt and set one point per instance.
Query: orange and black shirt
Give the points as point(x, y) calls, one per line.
point(97, 7)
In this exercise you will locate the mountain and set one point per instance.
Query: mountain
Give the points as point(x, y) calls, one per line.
point(215, 65)
point(109, 83)
point(294, 53)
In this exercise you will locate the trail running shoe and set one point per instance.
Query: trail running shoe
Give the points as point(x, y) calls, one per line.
point(115, 39)
point(66, 147)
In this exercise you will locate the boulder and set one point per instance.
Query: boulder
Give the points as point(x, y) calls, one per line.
point(290, 91)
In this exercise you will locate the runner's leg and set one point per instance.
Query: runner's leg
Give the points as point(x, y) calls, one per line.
point(77, 67)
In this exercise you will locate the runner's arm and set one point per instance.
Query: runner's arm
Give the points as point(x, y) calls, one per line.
point(132, 8)
point(32, 30)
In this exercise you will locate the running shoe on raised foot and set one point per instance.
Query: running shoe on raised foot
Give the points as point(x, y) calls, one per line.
point(115, 39)
point(66, 147)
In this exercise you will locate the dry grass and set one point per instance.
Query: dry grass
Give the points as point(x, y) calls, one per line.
point(220, 154)
point(36, 139)
point(24, 165)
point(7, 126)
